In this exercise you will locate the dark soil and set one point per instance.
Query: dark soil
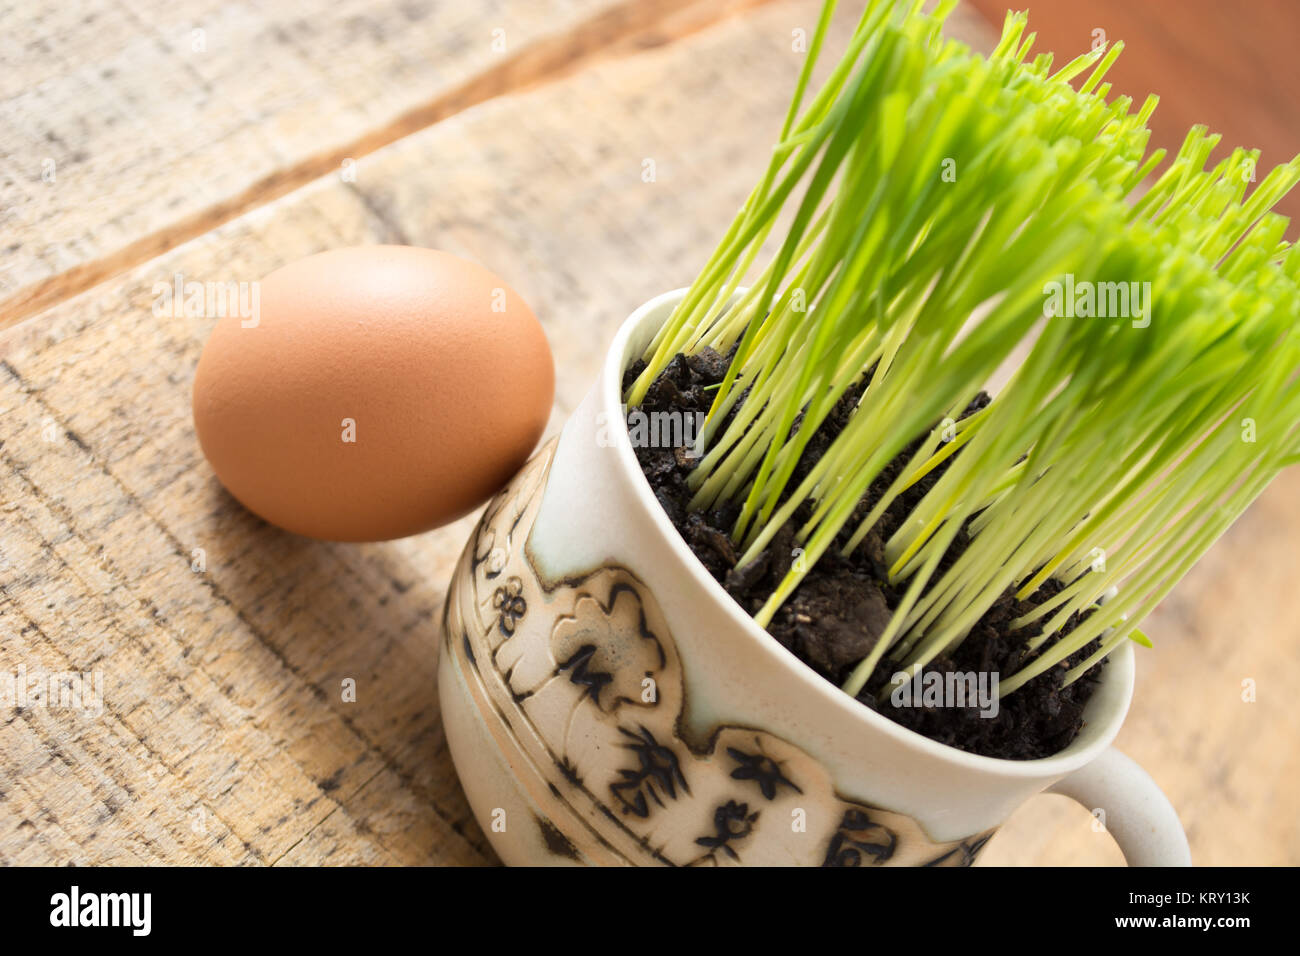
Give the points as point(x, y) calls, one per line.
point(832, 621)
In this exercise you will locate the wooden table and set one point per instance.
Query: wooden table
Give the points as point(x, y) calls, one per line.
point(220, 141)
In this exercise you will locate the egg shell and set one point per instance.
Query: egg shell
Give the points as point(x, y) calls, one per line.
point(441, 369)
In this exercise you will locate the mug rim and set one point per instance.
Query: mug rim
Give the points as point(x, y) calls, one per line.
point(1103, 715)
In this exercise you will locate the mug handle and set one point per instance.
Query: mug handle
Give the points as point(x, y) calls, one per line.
point(1138, 814)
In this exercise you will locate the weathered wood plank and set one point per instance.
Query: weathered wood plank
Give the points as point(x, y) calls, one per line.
point(226, 680)
point(129, 128)
point(224, 738)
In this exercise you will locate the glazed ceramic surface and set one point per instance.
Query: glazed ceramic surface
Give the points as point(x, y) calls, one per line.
point(606, 702)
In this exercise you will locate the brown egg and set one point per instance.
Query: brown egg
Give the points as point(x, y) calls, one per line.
point(379, 391)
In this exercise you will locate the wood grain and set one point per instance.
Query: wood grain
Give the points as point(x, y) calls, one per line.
point(128, 129)
point(225, 738)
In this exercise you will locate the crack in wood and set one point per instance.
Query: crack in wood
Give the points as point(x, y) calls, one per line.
point(626, 29)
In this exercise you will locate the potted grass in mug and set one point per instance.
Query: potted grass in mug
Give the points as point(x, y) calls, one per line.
point(846, 552)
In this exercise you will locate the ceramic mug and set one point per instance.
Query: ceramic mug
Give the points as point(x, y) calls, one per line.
point(606, 702)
